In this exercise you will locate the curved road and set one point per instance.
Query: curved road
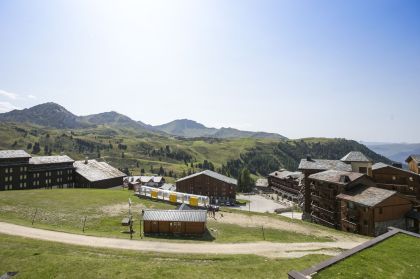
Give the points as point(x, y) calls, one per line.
point(267, 249)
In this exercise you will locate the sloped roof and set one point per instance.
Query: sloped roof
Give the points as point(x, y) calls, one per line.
point(212, 174)
point(97, 171)
point(8, 154)
point(378, 166)
point(175, 215)
point(320, 164)
point(368, 196)
point(261, 182)
point(285, 174)
point(334, 176)
point(41, 160)
point(356, 156)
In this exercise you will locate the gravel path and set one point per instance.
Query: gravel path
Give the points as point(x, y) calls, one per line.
point(267, 249)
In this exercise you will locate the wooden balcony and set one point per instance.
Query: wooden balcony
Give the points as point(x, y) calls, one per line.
point(323, 222)
point(349, 226)
point(323, 210)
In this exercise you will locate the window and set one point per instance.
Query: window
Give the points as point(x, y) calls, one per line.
point(411, 179)
point(380, 210)
point(7, 170)
point(363, 170)
point(365, 222)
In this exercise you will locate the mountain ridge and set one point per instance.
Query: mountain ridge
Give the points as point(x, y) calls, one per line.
point(56, 116)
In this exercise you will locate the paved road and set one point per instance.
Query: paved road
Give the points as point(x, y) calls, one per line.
point(267, 249)
point(259, 203)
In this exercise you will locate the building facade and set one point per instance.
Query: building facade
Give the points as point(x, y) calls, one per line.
point(287, 184)
point(174, 222)
point(370, 210)
point(325, 186)
point(397, 179)
point(19, 171)
point(219, 188)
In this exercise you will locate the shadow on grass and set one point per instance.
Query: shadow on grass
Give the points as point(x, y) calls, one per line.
point(206, 237)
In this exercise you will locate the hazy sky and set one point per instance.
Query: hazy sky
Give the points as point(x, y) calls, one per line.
point(299, 68)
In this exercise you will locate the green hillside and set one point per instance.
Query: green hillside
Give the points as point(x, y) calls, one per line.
point(128, 148)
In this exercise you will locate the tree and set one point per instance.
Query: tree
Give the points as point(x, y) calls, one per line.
point(29, 146)
point(36, 149)
point(161, 171)
point(142, 171)
point(245, 182)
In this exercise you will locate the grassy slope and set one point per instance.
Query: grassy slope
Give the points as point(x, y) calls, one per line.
point(217, 151)
point(64, 209)
point(397, 257)
point(41, 259)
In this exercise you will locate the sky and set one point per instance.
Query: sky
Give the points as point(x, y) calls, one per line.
point(347, 69)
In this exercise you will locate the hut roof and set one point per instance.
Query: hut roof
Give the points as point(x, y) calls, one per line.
point(212, 174)
point(175, 215)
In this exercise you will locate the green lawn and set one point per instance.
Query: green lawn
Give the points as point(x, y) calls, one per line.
point(42, 259)
point(396, 257)
point(65, 209)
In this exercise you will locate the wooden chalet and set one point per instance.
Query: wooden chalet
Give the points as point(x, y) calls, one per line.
point(94, 174)
point(311, 166)
point(219, 188)
point(182, 221)
point(397, 179)
point(413, 162)
point(287, 184)
point(325, 186)
point(370, 210)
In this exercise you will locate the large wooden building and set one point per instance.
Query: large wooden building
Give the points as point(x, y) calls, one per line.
point(413, 162)
point(396, 179)
point(219, 188)
point(311, 166)
point(286, 184)
point(174, 222)
point(370, 210)
point(325, 186)
point(19, 171)
point(94, 174)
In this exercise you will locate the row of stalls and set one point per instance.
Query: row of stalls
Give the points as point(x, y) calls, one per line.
point(172, 196)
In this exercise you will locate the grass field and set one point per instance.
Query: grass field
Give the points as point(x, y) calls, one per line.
point(65, 209)
point(396, 257)
point(42, 259)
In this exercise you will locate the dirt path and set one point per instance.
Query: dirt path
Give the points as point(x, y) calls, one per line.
point(274, 223)
point(267, 249)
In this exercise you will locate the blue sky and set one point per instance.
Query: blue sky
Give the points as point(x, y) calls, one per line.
point(300, 68)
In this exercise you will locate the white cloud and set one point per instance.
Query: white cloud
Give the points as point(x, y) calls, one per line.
point(31, 96)
point(9, 95)
point(6, 106)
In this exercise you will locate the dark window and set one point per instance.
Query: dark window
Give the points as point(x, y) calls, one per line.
point(363, 170)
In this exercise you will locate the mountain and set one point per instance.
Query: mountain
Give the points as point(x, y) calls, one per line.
point(115, 119)
point(53, 115)
point(192, 129)
point(395, 151)
point(48, 114)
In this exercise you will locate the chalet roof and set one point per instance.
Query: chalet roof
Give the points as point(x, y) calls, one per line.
point(320, 164)
point(336, 177)
point(378, 166)
point(212, 174)
point(9, 154)
point(43, 160)
point(97, 171)
point(175, 215)
point(368, 196)
point(168, 187)
point(286, 174)
point(355, 156)
point(261, 182)
point(415, 157)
